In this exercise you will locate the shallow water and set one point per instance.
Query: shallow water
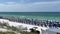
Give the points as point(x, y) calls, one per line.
point(37, 15)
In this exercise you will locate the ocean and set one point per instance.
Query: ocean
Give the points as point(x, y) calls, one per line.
point(36, 15)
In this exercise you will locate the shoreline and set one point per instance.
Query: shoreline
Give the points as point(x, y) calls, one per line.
point(28, 26)
point(31, 21)
point(56, 18)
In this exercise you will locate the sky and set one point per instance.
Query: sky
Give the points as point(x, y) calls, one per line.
point(29, 5)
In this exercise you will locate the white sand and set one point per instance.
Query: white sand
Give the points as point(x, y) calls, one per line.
point(24, 25)
point(28, 26)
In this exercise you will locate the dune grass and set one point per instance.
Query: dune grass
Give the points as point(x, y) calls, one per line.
point(7, 33)
point(14, 29)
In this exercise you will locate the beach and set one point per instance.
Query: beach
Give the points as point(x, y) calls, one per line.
point(42, 22)
point(28, 26)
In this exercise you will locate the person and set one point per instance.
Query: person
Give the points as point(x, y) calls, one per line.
point(58, 25)
point(50, 24)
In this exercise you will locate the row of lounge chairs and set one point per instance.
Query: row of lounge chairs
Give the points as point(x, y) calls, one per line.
point(37, 22)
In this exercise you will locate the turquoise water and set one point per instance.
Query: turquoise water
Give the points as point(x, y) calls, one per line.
point(38, 15)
